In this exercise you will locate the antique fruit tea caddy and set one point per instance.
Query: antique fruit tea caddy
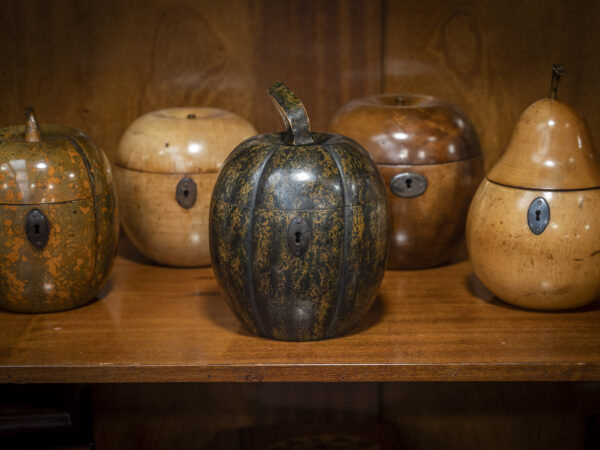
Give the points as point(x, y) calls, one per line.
point(299, 221)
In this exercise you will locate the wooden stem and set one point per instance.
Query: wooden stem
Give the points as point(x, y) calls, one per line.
point(293, 113)
point(557, 71)
point(32, 129)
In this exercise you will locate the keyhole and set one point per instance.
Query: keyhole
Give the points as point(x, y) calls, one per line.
point(186, 193)
point(408, 183)
point(298, 235)
point(537, 215)
point(36, 229)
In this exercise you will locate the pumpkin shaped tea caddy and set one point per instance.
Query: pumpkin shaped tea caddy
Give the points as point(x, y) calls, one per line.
point(58, 217)
point(429, 156)
point(298, 230)
point(167, 164)
point(533, 230)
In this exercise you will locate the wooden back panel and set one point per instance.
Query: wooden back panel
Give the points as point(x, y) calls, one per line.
point(99, 65)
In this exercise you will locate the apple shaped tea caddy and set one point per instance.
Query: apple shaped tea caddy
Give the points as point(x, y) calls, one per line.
point(58, 216)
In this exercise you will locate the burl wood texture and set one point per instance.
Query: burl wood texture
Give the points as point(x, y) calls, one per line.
point(156, 323)
point(100, 65)
point(559, 268)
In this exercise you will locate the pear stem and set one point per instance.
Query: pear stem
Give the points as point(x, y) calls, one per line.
point(557, 71)
point(32, 129)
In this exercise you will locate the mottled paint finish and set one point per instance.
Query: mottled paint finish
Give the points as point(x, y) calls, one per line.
point(52, 170)
point(333, 185)
point(68, 179)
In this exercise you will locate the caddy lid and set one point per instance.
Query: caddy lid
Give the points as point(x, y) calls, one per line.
point(182, 140)
point(49, 164)
point(408, 129)
point(551, 148)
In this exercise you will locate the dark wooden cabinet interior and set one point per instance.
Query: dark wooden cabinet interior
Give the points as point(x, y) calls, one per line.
point(98, 65)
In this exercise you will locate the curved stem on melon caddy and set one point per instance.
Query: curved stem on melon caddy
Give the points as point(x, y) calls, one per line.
point(32, 129)
point(293, 113)
point(557, 71)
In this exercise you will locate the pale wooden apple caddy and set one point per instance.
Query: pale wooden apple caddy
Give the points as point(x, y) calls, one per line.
point(167, 164)
point(533, 230)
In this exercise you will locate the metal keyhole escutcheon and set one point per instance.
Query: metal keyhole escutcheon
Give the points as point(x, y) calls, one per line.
point(408, 184)
point(186, 193)
point(298, 236)
point(37, 228)
point(538, 215)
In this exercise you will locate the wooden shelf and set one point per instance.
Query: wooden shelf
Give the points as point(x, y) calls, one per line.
point(155, 323)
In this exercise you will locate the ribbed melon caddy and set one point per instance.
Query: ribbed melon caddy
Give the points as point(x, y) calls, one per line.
point(299, 229)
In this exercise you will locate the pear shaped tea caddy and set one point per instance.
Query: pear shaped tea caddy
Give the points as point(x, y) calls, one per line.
point(533, 230)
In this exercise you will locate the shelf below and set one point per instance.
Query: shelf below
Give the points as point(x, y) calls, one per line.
point(160, 324)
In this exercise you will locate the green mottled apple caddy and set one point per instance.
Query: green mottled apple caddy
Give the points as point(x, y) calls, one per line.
point(299, 230)
point(58, 218)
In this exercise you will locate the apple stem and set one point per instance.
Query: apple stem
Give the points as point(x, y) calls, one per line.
point(32, 129)
point(557, 71)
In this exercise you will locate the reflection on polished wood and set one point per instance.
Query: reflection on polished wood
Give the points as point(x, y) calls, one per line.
point(551, 148)
point(155, 323)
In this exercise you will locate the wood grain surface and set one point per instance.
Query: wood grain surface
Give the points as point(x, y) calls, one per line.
point(99, 65)
point(429, 230)
point(155, 323)
point(159, 151)
point(551, 149)
point(493, 59)
point(556, 269)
